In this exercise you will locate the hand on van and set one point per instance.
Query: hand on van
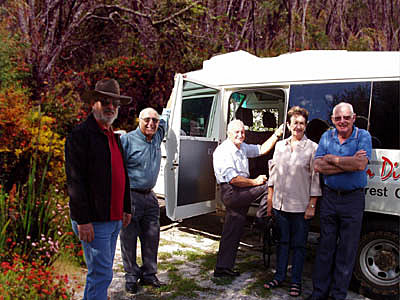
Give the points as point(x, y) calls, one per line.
point(279, 131)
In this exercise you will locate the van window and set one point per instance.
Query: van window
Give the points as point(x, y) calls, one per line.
point(385, 111)
point(197, 103)
point(319, 100)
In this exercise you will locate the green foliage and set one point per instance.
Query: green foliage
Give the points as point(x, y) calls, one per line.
point(33, 220)
point(13, 69)
point(34, 212)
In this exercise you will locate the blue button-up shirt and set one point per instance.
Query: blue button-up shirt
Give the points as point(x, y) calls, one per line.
point(143, 158)
point(360, 139)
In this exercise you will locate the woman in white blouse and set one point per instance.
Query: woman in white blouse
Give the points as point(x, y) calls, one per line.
point(292, 195)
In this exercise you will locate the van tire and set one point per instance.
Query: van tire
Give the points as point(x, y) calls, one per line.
point(376, 271)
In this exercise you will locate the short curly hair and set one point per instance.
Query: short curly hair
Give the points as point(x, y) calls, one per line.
point(297, 110)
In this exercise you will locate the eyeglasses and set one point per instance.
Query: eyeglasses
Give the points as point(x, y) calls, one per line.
point(147, 120)
point(107, 101)
point(346, 118)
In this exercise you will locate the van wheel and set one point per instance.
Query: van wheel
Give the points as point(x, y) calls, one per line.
point(377, 267)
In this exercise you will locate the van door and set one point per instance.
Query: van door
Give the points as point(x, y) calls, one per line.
point(188, 175)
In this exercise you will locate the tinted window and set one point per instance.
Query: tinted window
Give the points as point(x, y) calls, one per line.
point(319, 100)
point(197, 102)
point(385, 111)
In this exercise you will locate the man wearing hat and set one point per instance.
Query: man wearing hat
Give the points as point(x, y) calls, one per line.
point(98, 185)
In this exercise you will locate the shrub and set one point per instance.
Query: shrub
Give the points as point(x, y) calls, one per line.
point(14, 71)
point(25, 132)
point(35, 214)
point(14, 133)
point(63, 104)
point(22, 280)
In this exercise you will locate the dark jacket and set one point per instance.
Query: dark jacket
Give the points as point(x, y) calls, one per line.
point(88, 168)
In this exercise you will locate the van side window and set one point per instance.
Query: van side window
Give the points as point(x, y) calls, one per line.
point(319, 100)
point(385, 111)
point(197, 103)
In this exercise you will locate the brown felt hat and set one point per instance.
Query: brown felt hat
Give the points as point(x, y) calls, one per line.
point(106, 88)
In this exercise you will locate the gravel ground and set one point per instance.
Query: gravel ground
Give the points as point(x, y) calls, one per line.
point(200, 235)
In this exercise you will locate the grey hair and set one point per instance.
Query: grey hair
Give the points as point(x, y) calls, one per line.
point(147, 110)
point(343, 104)
point(232, 124)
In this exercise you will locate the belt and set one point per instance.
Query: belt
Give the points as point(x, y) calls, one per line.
point(141, 191)
point(345, 192)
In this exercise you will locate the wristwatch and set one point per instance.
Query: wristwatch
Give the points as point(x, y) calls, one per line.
point(312, 205)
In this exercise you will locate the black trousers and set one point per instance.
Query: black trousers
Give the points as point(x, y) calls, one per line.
point(341, 221)
point(145, 225)
point(237, 202)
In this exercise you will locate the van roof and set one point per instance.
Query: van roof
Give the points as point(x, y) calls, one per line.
point(243, 68)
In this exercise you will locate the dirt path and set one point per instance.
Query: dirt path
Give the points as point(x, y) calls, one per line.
point(187, 256)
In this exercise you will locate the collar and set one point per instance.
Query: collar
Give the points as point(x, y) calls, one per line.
point(354, 133)
point(142, 136)
point(232, 146)
point(95, 126)
point(104, 129)
point(302, 142)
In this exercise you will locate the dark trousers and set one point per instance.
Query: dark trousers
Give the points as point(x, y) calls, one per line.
point(237, 202)
point(145, 225)
point(341, 221)
point(293, 233)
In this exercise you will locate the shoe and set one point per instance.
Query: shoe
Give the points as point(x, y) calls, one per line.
point(294, 290)
point(225, 272)
point(272, 284)
point(154, 282)
point(131, 287)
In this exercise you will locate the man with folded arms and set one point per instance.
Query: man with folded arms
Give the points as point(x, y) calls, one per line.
point(142, 151)
point(342, 157)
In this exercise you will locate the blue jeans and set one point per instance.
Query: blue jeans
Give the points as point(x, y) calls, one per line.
point(99, 256)
point(293, 234)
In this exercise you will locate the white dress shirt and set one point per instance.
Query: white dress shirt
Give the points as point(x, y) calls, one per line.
point(229, 161)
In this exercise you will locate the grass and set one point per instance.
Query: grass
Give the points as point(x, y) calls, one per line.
point(190, 271)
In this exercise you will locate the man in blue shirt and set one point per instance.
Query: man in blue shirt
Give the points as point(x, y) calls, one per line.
point(142, 151)
point(342, 157)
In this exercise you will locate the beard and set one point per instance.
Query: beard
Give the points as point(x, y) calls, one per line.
point(100, 115)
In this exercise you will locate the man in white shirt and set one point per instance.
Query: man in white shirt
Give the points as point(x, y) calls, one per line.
point(238, 191)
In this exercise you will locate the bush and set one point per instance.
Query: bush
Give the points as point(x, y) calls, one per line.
point(22, 280)
point(13, 69)
point(63, 104)
point(14, 134)
point(25, 133)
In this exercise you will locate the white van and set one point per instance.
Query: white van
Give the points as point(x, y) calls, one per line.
point(259, 91)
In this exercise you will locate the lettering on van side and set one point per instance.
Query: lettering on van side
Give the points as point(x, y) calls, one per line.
point(388, 169)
